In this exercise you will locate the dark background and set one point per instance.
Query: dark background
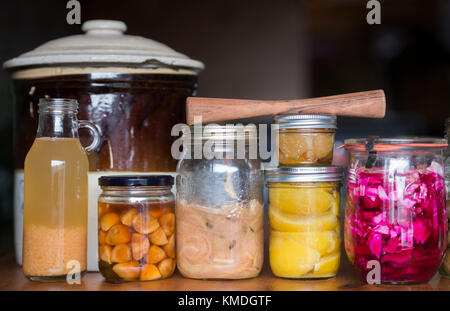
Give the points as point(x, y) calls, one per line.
point(266, 49)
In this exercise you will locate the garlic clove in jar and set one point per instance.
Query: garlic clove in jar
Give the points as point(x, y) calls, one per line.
point(166, 267)
point(105, 253)
point(155, 254)
point(118, 234)
point(139, 245)
point(121, 253)
point(169, 248)
point(108, 220)
point(127, 270)
point(158, 237)
point(167, 223)
point(150, 272)
point(126, 217)
point(145, 223)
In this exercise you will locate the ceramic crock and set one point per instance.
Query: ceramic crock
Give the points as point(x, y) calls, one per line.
point(132, 88)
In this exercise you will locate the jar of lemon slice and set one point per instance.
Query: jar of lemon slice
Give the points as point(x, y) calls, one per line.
point(304, 221)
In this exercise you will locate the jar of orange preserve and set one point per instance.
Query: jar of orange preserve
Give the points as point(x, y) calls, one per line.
point(305, 140)
point(136, 228)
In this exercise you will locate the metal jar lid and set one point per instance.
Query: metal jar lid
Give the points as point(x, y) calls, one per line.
point(304, 174)
point(306, 121)
point(136, 181)
point(223, 132)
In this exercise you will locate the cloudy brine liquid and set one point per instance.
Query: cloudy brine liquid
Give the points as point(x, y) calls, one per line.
point(55, 208)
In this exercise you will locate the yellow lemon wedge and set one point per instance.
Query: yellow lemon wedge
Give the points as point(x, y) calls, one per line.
point(304, 201)
point(327, 265)
point(335, 207)
point(325, 242)
point(297, 223)
point(291, 259)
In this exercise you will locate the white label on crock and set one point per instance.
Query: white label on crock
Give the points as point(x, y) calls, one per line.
point(94, 192)
point(18, 214)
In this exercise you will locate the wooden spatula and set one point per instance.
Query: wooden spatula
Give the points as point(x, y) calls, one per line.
point(369, 104)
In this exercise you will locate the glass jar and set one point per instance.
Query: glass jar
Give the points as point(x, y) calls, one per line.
point(445, 267)
point(304, 220)
point(136, 239)
point(56, 198)
point(219, 205)
point(395, 217)
point(305, 139)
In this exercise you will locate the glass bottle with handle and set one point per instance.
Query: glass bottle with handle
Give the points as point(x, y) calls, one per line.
point(55, 196)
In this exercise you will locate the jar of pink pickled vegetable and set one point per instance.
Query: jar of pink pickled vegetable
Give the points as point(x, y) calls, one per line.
point(445, 267)
point(395, 218)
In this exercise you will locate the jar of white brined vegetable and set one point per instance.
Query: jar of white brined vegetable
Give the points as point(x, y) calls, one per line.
point(219, 206)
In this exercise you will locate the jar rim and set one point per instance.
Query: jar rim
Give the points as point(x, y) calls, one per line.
point(395, 144)
point(306, 121)
point(58, 105)
point(304, 174)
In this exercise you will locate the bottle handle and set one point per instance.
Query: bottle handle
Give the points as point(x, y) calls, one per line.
point(95, 135)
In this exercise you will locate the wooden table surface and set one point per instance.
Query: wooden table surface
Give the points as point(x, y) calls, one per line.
point(12, 278)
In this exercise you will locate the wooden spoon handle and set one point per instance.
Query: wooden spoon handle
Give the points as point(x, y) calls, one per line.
point(369, 104)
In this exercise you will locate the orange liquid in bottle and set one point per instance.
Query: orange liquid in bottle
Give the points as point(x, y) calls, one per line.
point(55, 208)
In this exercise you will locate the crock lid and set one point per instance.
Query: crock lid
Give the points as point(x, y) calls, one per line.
point(304, 174)
point(306, 121)
point(136, 180)
point(104, 42)
point(394, 144)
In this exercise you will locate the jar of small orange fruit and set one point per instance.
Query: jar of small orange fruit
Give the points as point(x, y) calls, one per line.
point(304, 209)
point(305, 139)
point(136, 240)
